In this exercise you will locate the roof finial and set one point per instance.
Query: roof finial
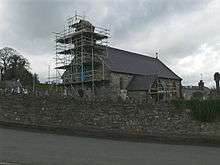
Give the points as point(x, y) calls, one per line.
point(157, 54)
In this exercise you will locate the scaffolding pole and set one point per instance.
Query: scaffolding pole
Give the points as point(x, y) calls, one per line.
point(80, 52)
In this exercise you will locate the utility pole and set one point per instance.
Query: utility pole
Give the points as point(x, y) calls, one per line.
point(48, 74)
point(1, 73)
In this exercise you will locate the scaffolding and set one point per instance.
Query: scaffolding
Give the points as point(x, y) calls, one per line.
point(81, 50)
point(159, 89)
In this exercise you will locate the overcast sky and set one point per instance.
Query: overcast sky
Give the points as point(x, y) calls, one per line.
point(185, 32)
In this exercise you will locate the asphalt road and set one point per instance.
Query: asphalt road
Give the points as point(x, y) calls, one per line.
point(32, 148)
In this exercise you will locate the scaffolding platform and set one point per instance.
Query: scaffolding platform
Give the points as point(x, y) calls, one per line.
point(81, 50)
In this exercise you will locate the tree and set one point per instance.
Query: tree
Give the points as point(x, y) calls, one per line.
point(36, 78)
point(217, 79)
point(5, 54)
point(16, 67)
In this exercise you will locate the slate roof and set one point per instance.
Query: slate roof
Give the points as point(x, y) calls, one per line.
point(192, 89)
point(141, 83)
point(128, 62)
point(189, 90)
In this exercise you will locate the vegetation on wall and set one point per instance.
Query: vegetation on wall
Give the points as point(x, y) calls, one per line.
point(52, 87)
point(197, 96)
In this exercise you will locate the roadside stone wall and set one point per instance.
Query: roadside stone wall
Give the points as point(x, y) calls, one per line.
point(123, 117)
point(139, 95)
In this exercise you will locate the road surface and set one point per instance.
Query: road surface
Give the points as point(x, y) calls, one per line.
point(34, 148)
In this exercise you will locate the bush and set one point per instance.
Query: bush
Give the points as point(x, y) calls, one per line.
point(205, 111)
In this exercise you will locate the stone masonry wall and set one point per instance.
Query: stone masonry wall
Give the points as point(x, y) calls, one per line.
point(123, 117)
point(116, 87)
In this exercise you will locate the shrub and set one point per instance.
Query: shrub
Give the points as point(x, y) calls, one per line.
point(205, 111)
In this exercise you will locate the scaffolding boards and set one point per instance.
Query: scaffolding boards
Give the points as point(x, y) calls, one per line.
point(81, 50)
point(160, 89)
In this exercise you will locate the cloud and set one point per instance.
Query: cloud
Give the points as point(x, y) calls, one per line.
point(2, 7)
point(181, 31)
point(205, 61)
point(41, 65)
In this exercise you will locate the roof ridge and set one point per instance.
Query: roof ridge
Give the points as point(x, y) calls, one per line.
point(132, 53)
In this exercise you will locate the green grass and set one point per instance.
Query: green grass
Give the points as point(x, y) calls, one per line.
point(205, 111)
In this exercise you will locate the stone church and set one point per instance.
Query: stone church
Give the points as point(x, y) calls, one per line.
point(98, 70)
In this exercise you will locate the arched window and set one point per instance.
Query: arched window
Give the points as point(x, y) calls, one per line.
point(156, 90)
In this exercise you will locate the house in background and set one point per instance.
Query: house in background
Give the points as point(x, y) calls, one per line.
point(95, 69)
point(196, 92)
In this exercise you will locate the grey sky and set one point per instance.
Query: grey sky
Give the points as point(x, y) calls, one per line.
point(185, 32)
